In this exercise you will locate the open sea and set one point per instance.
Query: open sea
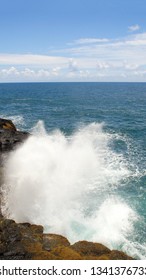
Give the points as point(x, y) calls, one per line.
point(82, 173)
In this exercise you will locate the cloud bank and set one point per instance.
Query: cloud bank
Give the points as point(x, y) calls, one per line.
point(85, 59)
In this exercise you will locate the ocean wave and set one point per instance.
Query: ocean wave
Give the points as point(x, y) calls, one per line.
point(71, 185)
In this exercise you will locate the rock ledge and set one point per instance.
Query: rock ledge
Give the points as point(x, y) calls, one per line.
point(24, 241)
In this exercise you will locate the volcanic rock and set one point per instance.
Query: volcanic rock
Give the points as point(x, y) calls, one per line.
point(26, 241)
point(86, 248)
point(51, 241)
point(9, 136)
point(7, 124)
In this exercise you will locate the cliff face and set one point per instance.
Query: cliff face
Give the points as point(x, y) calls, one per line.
point(26, 241)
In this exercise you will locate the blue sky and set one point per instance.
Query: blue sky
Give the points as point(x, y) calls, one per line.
point(72, 40)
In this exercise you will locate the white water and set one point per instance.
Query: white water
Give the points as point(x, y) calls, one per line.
point(70, 186)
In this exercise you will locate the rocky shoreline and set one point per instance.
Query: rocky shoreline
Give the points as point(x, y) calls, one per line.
point(24, 241)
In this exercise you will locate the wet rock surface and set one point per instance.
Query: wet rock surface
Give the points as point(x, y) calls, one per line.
point(10, 136)
point(9, 139)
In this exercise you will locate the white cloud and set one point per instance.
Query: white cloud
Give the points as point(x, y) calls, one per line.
point(31, 59)
point(130, 66)
point(55, 71)
point(72, 65)
point(27, 72)
point(133, 28)
point(10, 71)
point(84, 74)
point(116, 59)
point(103, 65)
point(91, 41)
point(131, 48)
point(43, 73)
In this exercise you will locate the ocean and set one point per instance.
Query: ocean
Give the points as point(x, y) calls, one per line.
point(82, 173)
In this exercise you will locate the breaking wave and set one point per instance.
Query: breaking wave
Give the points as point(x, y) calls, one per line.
point(71, 185)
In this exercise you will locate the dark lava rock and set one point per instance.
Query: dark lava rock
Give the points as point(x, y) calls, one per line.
point(11, 246)
point(10, 136)
point(7, 124)
point(9, 139)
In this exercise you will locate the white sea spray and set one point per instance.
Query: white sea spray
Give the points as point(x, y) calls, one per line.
point(69, 185)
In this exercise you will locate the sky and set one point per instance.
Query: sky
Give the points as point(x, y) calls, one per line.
point(72, 40)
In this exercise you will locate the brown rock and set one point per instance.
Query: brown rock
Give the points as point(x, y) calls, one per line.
point(66, 253)
point(7, 125)
point(118, 255)
point(104, 257)
point(32, 247)
point(31, 232)
point(51, 241)
point(19, 240)
point(86, 249)
point(43, 255)
point(26, 241)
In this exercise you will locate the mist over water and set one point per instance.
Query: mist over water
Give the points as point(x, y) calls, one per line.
point(72, 186)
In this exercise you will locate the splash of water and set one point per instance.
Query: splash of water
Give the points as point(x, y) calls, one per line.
point(68, 184)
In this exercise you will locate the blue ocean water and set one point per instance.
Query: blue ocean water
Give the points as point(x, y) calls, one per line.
point(105, 125)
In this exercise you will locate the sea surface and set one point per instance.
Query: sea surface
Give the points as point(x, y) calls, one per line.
point(82, 173)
